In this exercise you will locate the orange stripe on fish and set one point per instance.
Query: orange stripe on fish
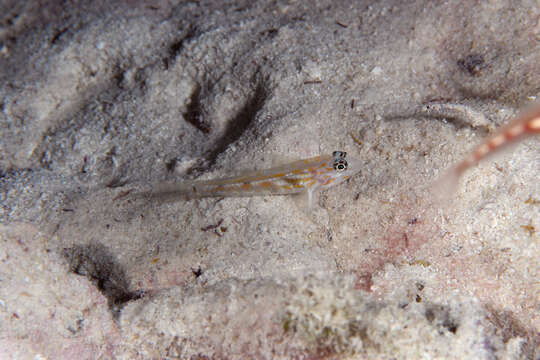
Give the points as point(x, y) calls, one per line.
point(304, 175)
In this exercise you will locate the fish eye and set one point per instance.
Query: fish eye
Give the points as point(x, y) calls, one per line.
point(340, 165)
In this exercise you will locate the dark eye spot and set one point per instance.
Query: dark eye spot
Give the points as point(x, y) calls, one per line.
point(340, 165)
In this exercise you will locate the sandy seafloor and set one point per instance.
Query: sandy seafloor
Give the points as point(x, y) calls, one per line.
point(101, 98)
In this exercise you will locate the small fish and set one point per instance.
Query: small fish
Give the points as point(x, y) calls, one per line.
point(525, 125)
point(308, 175)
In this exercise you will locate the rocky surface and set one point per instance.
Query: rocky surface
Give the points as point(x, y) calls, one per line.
point(98, 100)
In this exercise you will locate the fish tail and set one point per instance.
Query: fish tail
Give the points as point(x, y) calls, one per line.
point(171, 191)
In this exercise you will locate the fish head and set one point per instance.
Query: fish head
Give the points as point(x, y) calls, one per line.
point(345, 167)
point(342, 168)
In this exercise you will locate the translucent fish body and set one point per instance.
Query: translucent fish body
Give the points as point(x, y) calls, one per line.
point(526, 124)
point(306, 175)
point(523, 126)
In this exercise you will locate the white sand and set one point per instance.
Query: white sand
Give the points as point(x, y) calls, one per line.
point(100, 99)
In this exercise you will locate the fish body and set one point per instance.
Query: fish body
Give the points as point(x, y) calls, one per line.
point(308, 175)
point(526, 124)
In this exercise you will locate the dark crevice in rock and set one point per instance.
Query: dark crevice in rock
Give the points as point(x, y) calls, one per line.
point(193, 114)
point(244, 118)
point(176, 47)
point(96, 264)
